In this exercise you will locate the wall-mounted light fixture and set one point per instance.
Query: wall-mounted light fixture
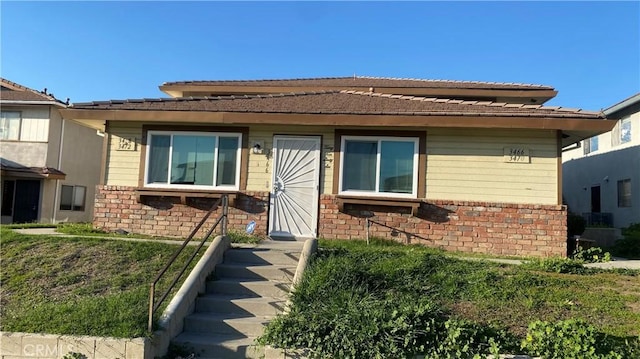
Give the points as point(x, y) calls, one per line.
point(258, 147)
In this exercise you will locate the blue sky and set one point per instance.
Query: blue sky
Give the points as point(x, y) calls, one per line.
point(589, 51)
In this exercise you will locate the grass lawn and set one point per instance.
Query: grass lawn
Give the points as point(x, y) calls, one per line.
point(82, 286)
point(396, 301)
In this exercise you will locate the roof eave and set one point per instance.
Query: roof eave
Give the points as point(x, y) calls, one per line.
point(622, 105)
point(567, 122)
point(27, 102)
point(532, 95)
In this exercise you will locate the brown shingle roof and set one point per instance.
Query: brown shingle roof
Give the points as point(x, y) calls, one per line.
point(364, 81)
point(11, 91)
point(339, 102)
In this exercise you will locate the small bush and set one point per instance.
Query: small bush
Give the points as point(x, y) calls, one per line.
point(591, 255)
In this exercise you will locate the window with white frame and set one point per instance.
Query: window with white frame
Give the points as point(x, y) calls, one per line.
point(624, 193)
point(72, 198)
point(193, 160)
point(379, 166)
point(10, 125)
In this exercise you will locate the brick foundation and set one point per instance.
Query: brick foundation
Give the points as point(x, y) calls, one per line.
point(492, 228)
point(479, 227)
point(116, 207)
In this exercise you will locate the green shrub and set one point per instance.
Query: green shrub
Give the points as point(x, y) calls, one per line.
point(591, 255)
point(573, 339)
point(629, 246)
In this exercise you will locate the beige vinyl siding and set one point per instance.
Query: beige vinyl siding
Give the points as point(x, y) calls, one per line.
point(260, 165)
point(35, 125)
point(123, 166)
point(469, 166)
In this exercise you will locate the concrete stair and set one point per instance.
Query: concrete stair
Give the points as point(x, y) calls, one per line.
point(250, 287)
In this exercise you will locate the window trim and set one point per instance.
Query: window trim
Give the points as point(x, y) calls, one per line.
point(217, 135)
point(19, 125)
point(173, 190)
point(420, 161)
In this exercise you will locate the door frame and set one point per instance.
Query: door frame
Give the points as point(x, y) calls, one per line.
point(318, 168)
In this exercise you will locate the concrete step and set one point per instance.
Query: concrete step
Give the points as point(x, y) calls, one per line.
point(249, 288)
point(265, 272)
point(262, 256)
point(225, 324)
point(219, 346)
point(233, 304)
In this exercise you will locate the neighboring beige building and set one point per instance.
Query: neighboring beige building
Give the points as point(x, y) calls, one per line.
point(50, 166)
point(469, 166)
point(602, 173)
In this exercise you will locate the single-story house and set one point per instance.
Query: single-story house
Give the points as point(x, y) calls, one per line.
point(468, 166)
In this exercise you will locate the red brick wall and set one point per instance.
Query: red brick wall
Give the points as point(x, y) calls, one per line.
point(116, 207)
point(492, 228)
point(480, 227)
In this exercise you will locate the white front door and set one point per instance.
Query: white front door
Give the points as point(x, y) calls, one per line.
point(293, 210)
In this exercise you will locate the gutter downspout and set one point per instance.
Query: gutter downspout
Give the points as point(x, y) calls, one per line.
point(57, 190)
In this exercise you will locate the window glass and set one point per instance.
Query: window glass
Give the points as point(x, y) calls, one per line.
point(379, 166)
point(192, 159)
point(624, 193)
point(227, 159)
point(396, 166)
point(10, 125)
point(79, 194)
point(593, 144)
point(159, 159)
point(66, 198)
point(625, 130)
point(359, 167)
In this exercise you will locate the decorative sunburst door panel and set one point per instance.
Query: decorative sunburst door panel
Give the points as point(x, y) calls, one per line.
point(293, 208)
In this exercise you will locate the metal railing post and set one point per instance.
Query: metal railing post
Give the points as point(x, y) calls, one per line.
point(225, 213)
point(151, 300)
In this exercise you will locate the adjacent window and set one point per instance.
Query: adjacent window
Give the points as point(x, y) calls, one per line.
point(590, 145)
point(621, 133)
point(10, 125)
point(197, 160)
point(624, 193)
point(625, 130)
point(375, 166)
point(72, 198)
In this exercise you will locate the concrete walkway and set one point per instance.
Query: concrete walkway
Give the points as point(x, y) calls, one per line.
point(614, 263)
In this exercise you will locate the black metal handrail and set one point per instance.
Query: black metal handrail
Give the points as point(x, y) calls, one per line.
point(153, 306)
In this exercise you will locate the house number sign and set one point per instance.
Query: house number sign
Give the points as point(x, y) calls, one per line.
point(127, 144)
point(516, 154)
